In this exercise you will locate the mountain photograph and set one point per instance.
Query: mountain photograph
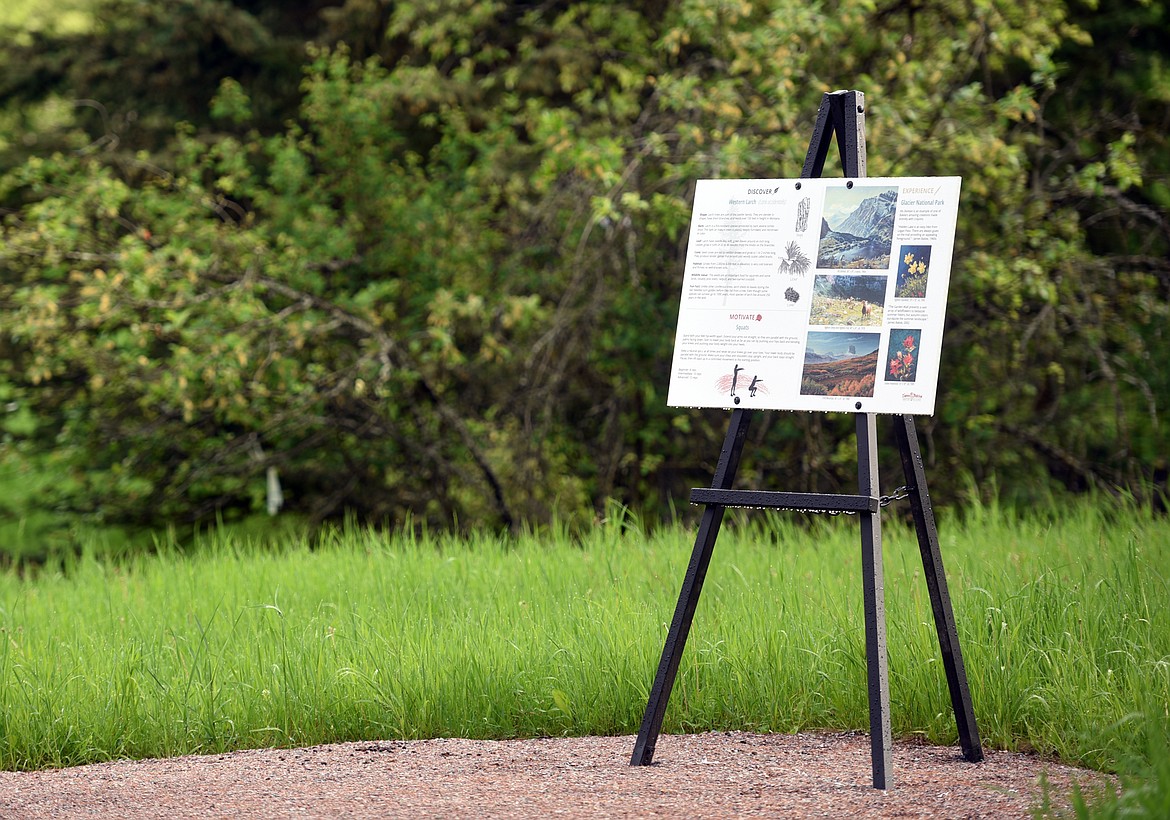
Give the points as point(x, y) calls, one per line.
point(857, 227)
point(840, 364)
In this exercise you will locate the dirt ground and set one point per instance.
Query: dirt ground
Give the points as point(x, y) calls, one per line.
point(716, 775)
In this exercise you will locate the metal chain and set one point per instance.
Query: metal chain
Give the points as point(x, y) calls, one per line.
point(896, 495)
point(883, 501)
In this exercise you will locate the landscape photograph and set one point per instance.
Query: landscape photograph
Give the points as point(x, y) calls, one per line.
point(848, 299)
point(839, 364)
point(857, 227)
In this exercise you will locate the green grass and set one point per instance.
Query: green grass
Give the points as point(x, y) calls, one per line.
point(1063, 620)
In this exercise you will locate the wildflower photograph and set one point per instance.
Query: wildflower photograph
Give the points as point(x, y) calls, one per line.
point(902, 359)
point(913, 270)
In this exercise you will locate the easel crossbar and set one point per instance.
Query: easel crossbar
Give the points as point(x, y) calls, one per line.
point(770, 500)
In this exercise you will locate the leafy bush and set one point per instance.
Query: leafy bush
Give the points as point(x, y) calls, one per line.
point(433, 271)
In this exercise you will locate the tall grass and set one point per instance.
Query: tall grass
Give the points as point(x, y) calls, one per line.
point(1062, 617)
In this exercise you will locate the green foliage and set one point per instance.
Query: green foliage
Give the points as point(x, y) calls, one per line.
point(423, 259)
point(22, 17)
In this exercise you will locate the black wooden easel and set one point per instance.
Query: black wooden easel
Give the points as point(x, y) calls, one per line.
point(841, 113)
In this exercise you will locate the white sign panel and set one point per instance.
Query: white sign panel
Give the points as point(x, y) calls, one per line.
point(815, 294)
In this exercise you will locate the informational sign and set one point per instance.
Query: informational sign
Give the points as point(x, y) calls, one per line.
point(815, 294)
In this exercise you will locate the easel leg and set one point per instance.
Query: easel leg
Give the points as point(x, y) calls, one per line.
point(936, 582)
point(688, 598)
point(877, 671)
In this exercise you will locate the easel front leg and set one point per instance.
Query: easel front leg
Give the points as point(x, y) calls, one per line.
point(676, 638)
point(688, 597)
point(873, 582)
point(936, 583)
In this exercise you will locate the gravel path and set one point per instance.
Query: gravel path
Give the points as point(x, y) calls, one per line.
point(717, 774)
